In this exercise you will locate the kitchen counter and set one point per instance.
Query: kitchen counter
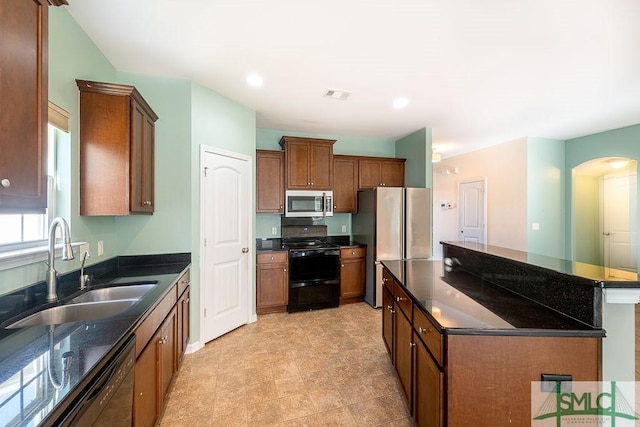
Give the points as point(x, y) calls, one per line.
point(461, 303)
point(29, 397)
point(275, 244)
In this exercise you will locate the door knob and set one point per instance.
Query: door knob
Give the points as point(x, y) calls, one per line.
point(245, 250)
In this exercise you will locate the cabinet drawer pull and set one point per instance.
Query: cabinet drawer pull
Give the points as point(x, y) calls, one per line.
point(423, 330)
point(353, 252)
point(412, 344)
point(5, 183)
point(400, 299)
point(342, 265)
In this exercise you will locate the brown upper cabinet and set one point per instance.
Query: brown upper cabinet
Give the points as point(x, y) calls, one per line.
point(345, 184)
point(269, 181)
point(309, 163)
point(23, 103)
point(380, 172)
point(116, 150)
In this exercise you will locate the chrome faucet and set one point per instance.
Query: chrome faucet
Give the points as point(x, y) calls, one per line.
point(67, 254)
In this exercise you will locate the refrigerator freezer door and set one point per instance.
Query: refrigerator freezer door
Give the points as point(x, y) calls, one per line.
point(389, 223)
point(418, 223)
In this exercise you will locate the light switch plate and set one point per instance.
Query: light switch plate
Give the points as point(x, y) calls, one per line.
point(274, 231)
point(344, 228)
point(100, 247)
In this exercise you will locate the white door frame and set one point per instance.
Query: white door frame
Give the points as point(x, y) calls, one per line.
point(251, 316)
point(484, 207)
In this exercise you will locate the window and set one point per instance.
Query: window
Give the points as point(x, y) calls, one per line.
point(22, 231)
point(18, 231)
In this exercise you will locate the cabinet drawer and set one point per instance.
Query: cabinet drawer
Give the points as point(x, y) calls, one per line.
point(152, 322)
point(387, 279)
point(402, 300)
point(183, 282)
point(273, 257)
point(429, 334)
point(347, 253)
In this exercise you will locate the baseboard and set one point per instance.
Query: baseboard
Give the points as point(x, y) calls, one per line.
point(193, 347)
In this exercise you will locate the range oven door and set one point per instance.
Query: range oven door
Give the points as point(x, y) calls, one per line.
point(314, 279)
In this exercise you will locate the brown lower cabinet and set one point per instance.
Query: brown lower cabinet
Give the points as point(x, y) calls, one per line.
point(478, 380)
point(160, 344)
point(352, 274)
point(272, 282)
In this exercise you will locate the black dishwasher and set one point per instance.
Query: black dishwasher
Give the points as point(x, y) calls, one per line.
point(107, 400)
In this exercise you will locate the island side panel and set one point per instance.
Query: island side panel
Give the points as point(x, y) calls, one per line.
point(489, 377)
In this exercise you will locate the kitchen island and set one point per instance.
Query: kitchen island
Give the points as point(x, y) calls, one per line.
point(38, 390)
point(466, 350)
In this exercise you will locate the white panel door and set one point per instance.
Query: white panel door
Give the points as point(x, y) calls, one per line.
point(471, 208)
point(618, 229)
point(225, 227)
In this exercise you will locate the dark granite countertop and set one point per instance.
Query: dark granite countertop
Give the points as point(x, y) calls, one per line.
point(275, 244)
point(461, 303)
point(25, 352)
point(601, 276)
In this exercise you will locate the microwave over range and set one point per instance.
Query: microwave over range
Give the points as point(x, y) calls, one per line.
point(308, 203)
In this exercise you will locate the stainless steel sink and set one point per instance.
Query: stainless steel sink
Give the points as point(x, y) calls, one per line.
point(75, 313)
point(115, 293)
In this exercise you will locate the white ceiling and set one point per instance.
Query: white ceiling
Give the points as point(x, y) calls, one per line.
point(477, 72)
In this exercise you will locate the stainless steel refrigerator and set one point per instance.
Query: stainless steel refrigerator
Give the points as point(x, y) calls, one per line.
point(394, 223)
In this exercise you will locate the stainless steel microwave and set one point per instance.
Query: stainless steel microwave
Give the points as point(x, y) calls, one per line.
point(308, 203)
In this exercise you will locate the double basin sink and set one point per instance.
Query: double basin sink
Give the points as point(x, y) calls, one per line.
point(93, 304)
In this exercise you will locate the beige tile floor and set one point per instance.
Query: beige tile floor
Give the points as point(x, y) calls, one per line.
point(320, 368)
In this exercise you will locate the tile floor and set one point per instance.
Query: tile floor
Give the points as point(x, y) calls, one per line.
point(320, 368)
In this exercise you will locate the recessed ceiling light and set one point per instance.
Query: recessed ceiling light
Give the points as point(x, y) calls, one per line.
point(618, 163)
point(255, 80)
point(400, 103)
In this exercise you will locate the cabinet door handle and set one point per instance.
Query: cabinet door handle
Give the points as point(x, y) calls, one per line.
point(353, 252)
point(400, 299)
point(285, 270)
point(423, 330)
point(412, 344)
point(342, 265)
point(384, 280)
point(245, 250)
point(5, 183)
point(281, 206)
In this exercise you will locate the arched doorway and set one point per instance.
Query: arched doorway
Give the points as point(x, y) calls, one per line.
point(605, 215)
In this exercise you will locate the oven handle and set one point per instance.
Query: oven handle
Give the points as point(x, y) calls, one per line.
point(293, 285)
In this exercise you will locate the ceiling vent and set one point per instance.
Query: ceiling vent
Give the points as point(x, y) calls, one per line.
point(340, 95)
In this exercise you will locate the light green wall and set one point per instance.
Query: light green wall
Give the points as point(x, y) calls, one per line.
point(267, 139)
point(623, 142)
point(167, 230)
point(545, 196)
point(416, 148)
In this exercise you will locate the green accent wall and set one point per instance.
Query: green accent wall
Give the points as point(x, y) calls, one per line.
point(586, 202)
point(545, 196)
point(416, 148)
point(622, 142)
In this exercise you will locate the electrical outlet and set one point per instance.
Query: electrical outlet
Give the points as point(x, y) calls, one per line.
point(83, 248)
point(344, 228)
point(100, 247)
point(274, 231)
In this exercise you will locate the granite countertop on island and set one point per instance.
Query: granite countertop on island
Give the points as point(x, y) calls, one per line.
point(25, 352)
point(460, 303)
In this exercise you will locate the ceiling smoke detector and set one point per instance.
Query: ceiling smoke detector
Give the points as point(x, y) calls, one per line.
point(340, 95)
